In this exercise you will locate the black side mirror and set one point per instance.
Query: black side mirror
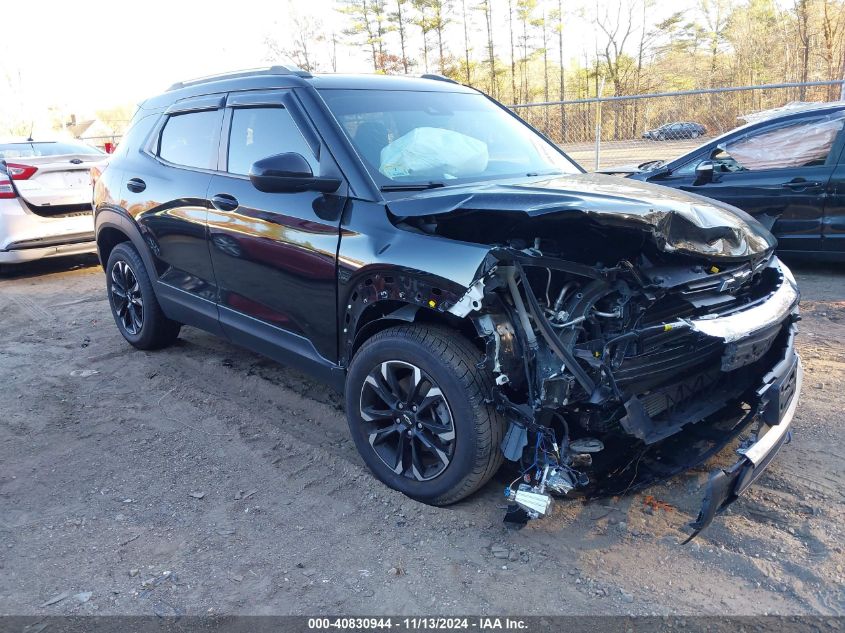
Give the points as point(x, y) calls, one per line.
point(704, 172)
point(288, 173)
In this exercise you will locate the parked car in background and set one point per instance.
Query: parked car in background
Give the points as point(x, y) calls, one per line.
point(675, 131)
point(45, 199)
point(786, 168)
point(477, 297)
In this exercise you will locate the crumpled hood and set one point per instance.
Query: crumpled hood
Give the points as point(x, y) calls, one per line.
point(676, 220)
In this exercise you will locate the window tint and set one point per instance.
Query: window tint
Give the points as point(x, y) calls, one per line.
point(191, 139)
point(261, 132)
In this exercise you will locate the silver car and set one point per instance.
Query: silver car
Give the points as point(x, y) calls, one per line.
point(45, 199)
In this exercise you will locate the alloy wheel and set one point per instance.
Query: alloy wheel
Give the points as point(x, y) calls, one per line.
point(126, 297)
point(407, 420)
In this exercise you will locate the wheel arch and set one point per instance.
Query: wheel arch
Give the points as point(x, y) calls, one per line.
point(386, 298)
point(114, 227)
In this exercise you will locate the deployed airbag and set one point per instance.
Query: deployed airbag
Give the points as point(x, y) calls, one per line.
point(790, 146)
point(434, 153)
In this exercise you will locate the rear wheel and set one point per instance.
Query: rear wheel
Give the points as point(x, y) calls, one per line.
point(417, 411)
point(133, 303)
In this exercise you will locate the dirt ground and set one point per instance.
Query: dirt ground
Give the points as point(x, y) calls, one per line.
point(205, 478)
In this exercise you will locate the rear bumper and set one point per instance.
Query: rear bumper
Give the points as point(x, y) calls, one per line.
point(777, 402)
point(60, 250)
point(25, 236)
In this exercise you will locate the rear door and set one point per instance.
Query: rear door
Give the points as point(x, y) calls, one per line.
point(274, 254)
point(779, 173)
point(165, 190)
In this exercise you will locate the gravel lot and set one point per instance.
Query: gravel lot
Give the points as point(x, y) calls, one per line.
point(205, 478)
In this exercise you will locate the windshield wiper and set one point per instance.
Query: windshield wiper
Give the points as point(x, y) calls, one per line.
point(415, 187)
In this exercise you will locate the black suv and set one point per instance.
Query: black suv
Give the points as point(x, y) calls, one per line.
point(477, 296)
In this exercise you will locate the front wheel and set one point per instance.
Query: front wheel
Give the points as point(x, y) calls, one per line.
point(416, 403)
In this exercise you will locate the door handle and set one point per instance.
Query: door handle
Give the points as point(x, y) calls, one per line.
point(224, 202)
point(136, 185)
point(799, 184)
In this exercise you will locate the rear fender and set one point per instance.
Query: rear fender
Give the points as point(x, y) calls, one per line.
point(114, 218)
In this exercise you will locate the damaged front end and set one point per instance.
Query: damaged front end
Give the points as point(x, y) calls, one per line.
point(619, 362)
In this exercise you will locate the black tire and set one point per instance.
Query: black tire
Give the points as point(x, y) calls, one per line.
point(450, 363)
point(152, 330)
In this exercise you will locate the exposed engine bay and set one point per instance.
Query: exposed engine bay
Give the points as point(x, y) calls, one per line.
point(606, 349)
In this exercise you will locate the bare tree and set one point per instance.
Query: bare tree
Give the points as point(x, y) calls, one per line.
point(306, 35)
point(439, 21)
point(514, 95)
point(360, 28)
point(557, 15)
point(525, 12)
point(802, 13)
point(617, 24)
point(465, 21)
point(333, 52)
point(424, 22)
point(399, 21)
point(487, 8)
point(833, 41)
point(715, 14)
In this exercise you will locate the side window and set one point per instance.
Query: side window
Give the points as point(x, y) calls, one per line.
point(805, 144)
point(191, 139)
point(261, 132)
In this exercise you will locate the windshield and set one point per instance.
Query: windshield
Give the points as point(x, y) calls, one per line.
point(33, 149)
point(409, 138)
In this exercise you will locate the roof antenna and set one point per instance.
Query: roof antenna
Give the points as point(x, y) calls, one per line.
point(31, 126)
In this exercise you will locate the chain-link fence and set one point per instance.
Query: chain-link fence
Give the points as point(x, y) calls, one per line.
point(612, 131)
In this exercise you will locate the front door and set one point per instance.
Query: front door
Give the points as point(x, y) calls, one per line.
point(274, 254)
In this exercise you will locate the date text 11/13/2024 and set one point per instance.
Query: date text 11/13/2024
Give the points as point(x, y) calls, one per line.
point(418, 623)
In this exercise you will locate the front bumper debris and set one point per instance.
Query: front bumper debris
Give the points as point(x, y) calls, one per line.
point(778, 400)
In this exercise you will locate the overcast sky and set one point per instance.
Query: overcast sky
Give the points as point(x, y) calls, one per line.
point(85, 55)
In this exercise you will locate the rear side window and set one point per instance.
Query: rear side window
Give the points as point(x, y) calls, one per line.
point(261, 132)
point(191, 139)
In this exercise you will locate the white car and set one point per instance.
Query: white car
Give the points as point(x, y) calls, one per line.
point(45, 199)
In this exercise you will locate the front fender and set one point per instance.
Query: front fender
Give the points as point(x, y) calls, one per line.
point(376, 293)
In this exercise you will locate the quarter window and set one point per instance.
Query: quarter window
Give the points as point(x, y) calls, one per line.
point(261, 132)
point(191, 139)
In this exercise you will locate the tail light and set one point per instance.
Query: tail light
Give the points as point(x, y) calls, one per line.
point(6, 190)
point(15, 172)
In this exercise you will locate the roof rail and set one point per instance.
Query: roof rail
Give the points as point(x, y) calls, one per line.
point(280, 69)
point(438, 78)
